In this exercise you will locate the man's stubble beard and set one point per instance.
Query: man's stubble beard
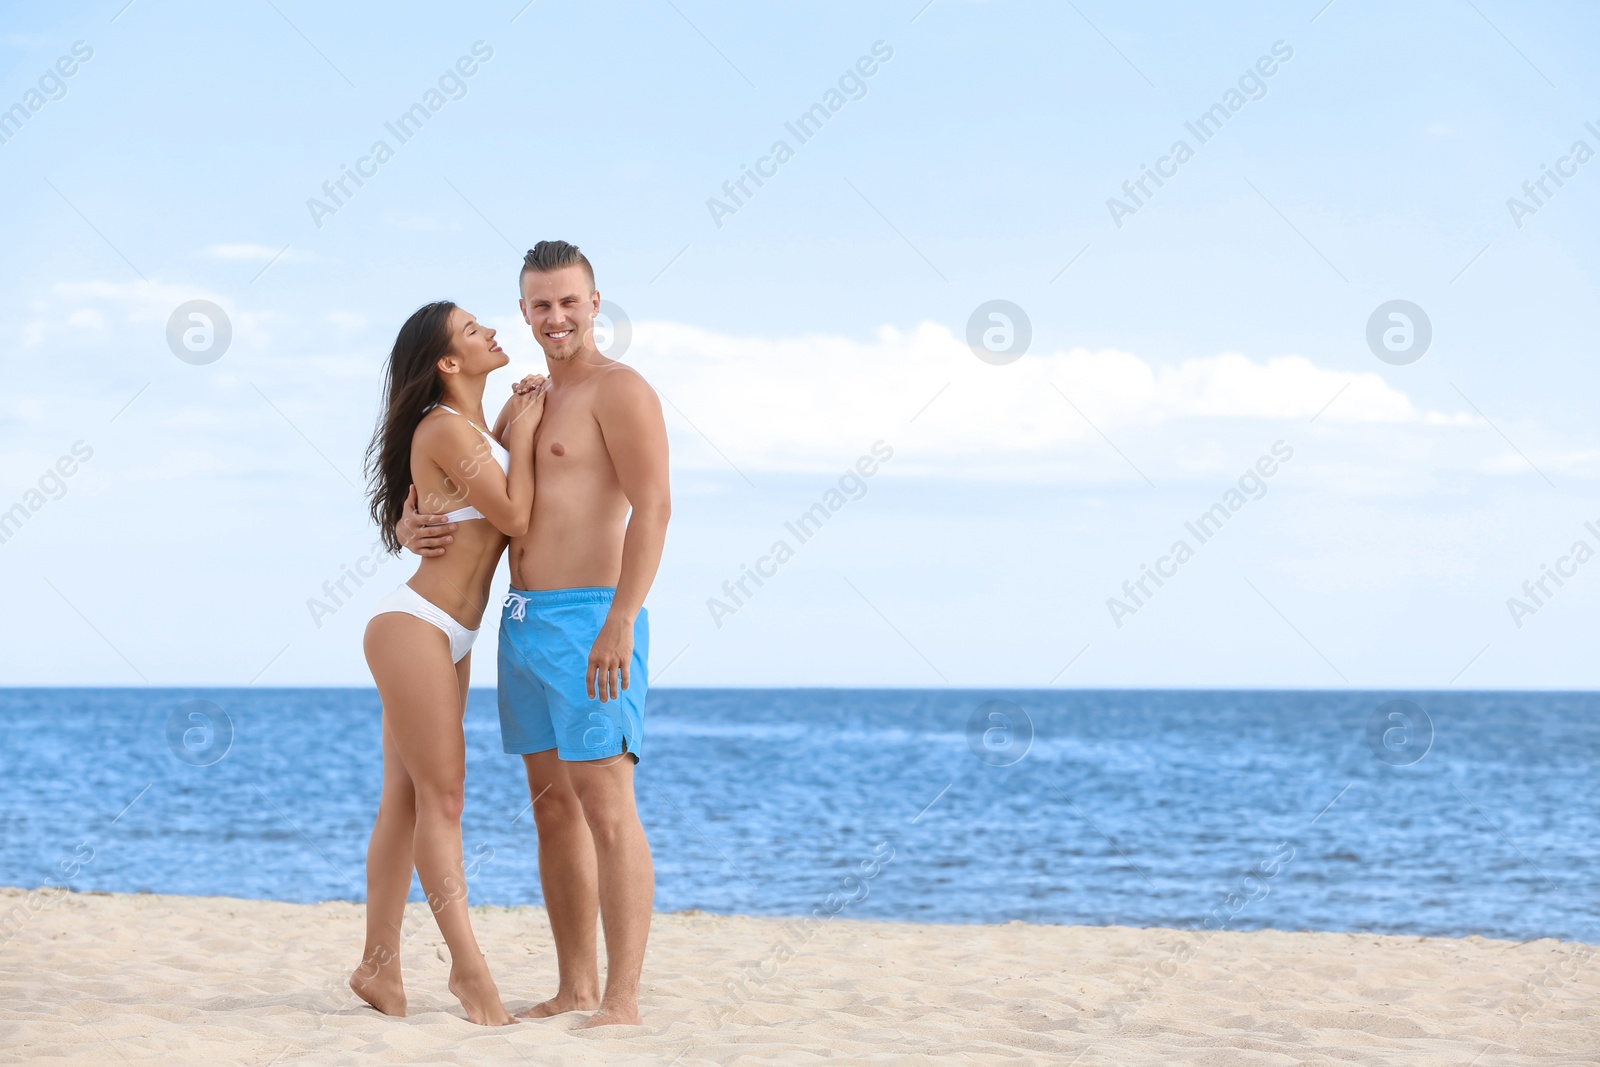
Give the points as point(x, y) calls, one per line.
point(563, 357)
point(577, 351)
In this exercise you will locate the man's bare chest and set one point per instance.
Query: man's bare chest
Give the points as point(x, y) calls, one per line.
point(569, 439)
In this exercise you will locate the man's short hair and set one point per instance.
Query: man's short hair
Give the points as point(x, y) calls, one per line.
point(548, 256)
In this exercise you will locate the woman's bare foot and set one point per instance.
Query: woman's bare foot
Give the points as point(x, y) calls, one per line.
point(480, 999)
point(613, 1015)
point(561, 1003)
point(381, 987)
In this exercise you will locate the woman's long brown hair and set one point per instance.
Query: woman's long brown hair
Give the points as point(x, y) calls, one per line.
point(411, 388)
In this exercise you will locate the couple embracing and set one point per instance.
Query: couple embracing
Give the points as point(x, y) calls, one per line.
point(573, 477)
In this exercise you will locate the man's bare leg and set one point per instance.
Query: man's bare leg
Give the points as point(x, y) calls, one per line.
point(627, 882)
point(567, 874)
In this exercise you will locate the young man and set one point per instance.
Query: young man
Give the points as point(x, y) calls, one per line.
point(574, 635)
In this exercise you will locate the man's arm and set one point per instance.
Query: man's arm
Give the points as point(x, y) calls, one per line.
point(629, 414)
point(425, 535)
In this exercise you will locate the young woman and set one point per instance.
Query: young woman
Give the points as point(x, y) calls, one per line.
point(431, 441)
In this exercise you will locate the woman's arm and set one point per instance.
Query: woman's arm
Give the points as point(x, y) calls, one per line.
point(506, 499)
point(532, 381)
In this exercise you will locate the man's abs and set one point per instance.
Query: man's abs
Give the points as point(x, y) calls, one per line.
point(574, 540)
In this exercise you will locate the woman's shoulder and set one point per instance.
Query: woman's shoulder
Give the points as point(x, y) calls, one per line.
point(445, 429)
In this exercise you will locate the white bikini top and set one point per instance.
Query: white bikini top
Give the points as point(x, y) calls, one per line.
point(501, 456)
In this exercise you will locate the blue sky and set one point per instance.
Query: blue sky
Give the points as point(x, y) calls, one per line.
point(1171, 348)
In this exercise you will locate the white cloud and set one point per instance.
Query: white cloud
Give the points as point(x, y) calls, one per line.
point(143, 301)
point(1285, 387)
point(796, 402)
point(77, 310)
point(244, 253)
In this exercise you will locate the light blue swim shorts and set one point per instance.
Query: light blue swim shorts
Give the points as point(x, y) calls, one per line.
point(545, 638)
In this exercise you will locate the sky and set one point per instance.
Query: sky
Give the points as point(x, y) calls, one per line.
point(1197, 224)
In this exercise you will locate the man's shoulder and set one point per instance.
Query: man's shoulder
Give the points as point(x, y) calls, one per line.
point(620, 387)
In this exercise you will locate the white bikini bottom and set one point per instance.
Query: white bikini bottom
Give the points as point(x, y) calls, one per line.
point(410, 602)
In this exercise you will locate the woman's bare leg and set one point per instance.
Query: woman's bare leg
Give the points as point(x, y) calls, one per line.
point(378, 980)
point(422, 701)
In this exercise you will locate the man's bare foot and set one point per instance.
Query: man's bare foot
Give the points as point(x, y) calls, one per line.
point(383, 990)
point(560, 1004)
point(480, 999)
point(613, 1015)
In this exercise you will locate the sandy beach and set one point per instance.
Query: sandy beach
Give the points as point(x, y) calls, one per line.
point(165, 979)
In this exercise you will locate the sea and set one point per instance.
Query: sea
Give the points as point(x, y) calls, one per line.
point(1418, 813)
